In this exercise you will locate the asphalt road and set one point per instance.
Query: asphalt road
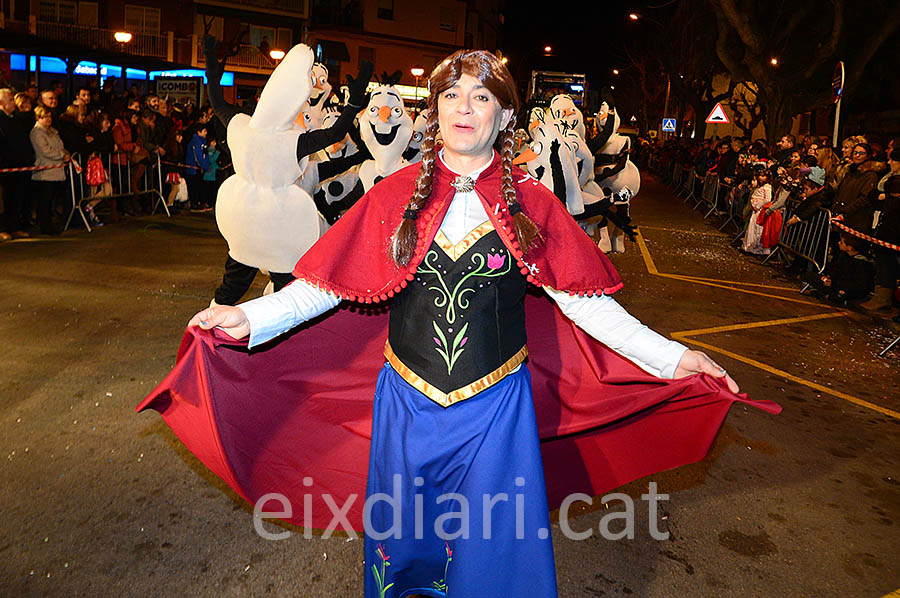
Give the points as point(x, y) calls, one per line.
point(99, 501)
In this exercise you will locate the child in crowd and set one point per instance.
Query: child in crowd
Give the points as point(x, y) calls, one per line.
point(197, 163)
point(210, 182)
point(851, 274)
point(761, 196)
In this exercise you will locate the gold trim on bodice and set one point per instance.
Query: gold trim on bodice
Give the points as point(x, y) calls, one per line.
point(454, 252)
point(460, 394)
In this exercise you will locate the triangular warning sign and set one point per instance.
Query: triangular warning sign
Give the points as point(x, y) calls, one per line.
point(717, 116)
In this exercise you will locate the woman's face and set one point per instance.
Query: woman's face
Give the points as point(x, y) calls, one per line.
point(795, 157)
point(859, 154)
point(104, 125)
point(813, 149)
point(847, 149)
point(134, 119)
point(45, 120)
point(470, 118)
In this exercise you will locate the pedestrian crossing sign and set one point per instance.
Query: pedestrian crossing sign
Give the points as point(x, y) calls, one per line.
point(668, 125)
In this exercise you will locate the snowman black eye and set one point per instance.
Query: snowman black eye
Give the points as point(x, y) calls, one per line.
point(537, 147)
point(397, 110)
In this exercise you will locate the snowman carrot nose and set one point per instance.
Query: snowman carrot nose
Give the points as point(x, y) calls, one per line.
point(526, 156)
point(384, 113)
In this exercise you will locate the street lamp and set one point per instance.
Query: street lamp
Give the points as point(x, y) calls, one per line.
point(634, 16)
point(276, 55)
point(615, 71)
point(774, 61)
point(123, 37)
point(548, 49)
point(417, 72)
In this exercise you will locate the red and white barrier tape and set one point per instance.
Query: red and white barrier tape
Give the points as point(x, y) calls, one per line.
point(180, 165)
point(856, 233)
point(39, 168)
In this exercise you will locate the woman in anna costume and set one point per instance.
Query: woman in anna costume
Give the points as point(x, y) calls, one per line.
point(452, 243)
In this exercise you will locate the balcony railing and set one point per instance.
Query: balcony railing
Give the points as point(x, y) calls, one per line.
point(141, 44)
point(294, 8)
point(249, 57)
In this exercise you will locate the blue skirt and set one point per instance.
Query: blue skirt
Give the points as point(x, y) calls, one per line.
point(456, 502)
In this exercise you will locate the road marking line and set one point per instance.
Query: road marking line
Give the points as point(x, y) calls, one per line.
point(686, 334)
point(688, 231)
point(763, 324)
point(652, 269)
point(788, 376)
point(747, 284)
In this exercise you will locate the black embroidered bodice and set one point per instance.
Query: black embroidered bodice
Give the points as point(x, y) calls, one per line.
point(459, 327)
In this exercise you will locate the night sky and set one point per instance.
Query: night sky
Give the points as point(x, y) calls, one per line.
point(586, 37)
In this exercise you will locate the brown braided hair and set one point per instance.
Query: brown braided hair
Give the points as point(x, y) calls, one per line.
point(494, 75)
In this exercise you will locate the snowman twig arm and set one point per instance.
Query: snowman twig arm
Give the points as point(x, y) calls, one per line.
point(224, 111)
point(312, 141)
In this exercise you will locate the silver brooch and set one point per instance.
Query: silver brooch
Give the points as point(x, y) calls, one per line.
point(462, 184)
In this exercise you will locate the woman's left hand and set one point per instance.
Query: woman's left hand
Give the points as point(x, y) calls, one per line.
point(697, 362)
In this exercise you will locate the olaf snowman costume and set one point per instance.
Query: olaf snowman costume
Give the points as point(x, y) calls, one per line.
point(613, 168)
point(549, 159)
point(318, 96)
point(385, 128)
point(268, 221)
point(567, 115)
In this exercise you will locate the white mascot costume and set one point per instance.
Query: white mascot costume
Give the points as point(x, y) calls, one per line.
point(608, 166)
point(268, 221)
point(386, 128)
point(549, 159)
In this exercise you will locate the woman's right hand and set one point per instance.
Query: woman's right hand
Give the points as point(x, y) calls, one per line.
point(232, 320)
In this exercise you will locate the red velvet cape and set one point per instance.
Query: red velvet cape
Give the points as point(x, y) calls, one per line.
point(352, 260)
point(299, 408)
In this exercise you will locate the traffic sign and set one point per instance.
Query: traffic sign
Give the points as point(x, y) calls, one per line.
point(717, 116)
point(837, 82)
point(668, 125)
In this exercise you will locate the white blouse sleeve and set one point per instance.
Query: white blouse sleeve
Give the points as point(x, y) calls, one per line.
point(277, 313)
point(608, 322)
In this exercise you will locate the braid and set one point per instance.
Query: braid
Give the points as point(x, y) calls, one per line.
point(527, 232)
point(404, 243)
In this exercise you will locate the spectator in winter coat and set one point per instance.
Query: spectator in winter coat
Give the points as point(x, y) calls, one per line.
point(887, 269)
point(48, 151)
point(15, 152)
point(72, 130)
point(785, 148)
point(130, 152)
point(850, 274)
point(197, 162)
point(24, 110)
point(853, 199)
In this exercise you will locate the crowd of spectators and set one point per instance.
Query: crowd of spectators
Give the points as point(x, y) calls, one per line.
point(771, 189)
point(114, 136)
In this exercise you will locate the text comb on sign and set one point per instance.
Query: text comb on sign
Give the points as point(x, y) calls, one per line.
point(717, 116)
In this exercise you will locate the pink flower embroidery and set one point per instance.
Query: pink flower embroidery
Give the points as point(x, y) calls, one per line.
point(463, 342)
point(437, 340)
point(496, 261)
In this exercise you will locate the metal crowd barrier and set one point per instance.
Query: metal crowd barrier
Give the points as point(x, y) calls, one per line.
point(808, 239)
point(677, 174)
point(119, 178)
point(689, 186)
point(727, 195)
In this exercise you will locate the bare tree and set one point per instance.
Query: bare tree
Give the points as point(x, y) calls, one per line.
point(747, 112)
point(805, 38)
